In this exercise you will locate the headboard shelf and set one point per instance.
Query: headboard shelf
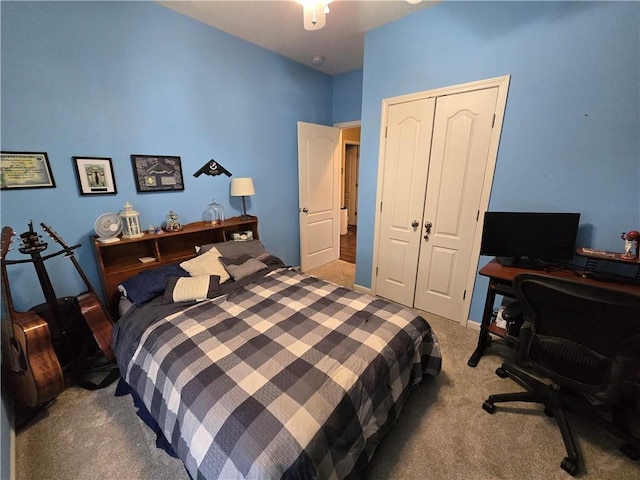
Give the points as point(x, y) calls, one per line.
point(120, 260)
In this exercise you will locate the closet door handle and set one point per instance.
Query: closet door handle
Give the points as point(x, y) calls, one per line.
point(415, 224)
point(427, 230)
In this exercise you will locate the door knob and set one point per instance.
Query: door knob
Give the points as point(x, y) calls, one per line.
point(305, 210)
point(427, 227)
point(415, 224)
point(427, 230)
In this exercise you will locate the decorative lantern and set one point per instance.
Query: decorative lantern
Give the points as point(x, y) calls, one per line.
point(130, 222)
point(214, 214)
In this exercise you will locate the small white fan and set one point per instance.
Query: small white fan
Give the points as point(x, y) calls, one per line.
point(108, 226)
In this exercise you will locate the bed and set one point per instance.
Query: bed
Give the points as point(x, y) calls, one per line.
point(270, 373)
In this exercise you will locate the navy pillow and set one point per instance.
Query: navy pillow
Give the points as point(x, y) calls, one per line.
point(148, 284)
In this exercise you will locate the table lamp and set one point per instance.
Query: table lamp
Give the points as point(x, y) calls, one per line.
point(242, 187)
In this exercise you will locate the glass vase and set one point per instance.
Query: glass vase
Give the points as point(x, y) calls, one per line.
point(214, 214)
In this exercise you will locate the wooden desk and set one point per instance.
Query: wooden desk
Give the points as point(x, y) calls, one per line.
point(500, 282)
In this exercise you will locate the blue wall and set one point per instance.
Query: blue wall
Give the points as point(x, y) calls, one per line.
point(115, 78)
point(110, 79)
point(347, 97)
point(570, 140)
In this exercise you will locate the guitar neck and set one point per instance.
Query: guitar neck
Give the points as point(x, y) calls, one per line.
point(85, 279)
point(69, 253)
point(45, 282)
point(6, 291)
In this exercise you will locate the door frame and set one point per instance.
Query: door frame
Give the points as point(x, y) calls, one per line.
point(502, 83)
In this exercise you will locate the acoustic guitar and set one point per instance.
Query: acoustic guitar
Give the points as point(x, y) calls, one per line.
point(34, 372)
point(92, 309)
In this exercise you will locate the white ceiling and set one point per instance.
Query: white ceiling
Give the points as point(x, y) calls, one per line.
point(278, 26)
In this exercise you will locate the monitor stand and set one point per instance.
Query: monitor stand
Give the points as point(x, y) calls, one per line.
point(519, 262)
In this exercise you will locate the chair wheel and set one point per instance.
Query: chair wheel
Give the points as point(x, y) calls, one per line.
point(501, 372)
point(630, 451)
point(488, 406)
point(570, 466)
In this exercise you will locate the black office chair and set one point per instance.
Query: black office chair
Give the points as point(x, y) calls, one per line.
point(585, 339)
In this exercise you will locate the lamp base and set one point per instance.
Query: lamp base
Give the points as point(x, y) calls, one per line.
point(244, 215)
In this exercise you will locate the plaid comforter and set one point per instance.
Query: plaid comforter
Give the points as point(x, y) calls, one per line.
point(288, 377)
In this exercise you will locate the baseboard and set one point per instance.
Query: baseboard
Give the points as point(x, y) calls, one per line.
point(12, 439)
point(473, 325)
point(12, 452)
point(361, 289)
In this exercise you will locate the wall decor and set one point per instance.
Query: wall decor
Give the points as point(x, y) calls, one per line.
point(25, 170)
point(156, 173)
point(95, 175)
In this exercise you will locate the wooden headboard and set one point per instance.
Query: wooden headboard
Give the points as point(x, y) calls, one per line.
point(120, 260)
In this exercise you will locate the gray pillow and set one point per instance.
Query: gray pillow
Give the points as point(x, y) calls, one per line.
point(242, 266)
point(252, 248)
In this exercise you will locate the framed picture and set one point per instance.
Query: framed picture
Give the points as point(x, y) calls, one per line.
point(95, 176)
point(25, 170)
point(157, 173)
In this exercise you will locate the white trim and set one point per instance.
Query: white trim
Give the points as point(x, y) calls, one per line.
point(354, 123)
point(12, 440)
point(361, 289)
point(502, 83)
point(12, 454)
point(471, 325)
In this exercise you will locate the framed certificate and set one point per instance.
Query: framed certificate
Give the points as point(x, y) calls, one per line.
point(25, 170)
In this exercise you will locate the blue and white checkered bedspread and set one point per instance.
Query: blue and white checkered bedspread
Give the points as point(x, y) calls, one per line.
point(288, 377)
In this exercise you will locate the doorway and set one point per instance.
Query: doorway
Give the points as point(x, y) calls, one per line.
point(350, 166)
point(322, 151)
point(340, 270)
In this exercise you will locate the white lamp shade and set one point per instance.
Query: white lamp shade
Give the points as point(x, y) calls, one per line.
point(241, 187)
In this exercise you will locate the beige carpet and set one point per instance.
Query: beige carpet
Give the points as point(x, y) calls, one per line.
point(443, 433)
point(339, 271)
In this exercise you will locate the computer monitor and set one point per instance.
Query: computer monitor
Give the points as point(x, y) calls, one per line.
point(528, 239)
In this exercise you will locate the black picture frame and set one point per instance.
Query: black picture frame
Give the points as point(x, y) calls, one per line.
point(95, 176)
point(20, 170)
point(157, 173)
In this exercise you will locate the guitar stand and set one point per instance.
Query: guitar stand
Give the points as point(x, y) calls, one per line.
point(89, 370)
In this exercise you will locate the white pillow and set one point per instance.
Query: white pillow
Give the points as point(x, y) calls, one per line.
point(206, 264)
point(187, 289)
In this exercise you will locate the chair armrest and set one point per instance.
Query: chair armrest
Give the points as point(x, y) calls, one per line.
point(513, 312)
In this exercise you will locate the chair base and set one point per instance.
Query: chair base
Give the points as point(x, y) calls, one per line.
point(557, 403)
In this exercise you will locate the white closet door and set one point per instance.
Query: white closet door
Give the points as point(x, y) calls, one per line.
point(461, 139)
point(406, 163)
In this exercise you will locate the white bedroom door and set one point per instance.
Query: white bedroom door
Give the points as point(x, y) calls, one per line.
point(319, 194)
